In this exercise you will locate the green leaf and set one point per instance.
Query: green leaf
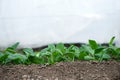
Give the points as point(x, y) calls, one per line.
point(3, 58)
point(98, 50)
point(73, 49)
point(16, 58)
point(111, 50)
point(102, 56)
point(56, 57)
point(35, 60)
point(69, 56)
point(89, 58)
point(59, 51)
point(61, 47)
point(28, 52)
point(98, 55)
point(111, 41)
point(106, 56)
point(45, 54)
point(1, 54)
point(82, 55)
point(118, 50)
point(12, 48)
point(93, 44)
point(88, 49)
point(51, 47)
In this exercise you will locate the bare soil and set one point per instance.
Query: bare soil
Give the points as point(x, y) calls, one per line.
point(78, 70)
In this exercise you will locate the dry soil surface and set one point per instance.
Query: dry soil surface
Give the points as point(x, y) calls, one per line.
point(79, 70)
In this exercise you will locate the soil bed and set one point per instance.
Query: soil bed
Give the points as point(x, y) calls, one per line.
point(79, 70)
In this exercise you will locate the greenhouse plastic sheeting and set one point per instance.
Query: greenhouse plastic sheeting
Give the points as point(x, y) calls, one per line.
point(35, 23)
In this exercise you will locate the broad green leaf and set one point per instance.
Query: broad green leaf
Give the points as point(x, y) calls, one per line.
point(111, 50)
point(71, 48)
point(45, 54)
point(98, 55)
point(98, 50)
point(89, 58)
point(3, 58)
point(59, 51)
point(93, 44)
point(88, 49)
point(81, 49)
point(61, 47)
point(1, 54)
point(102, 56)
point(35, 60)
point(74, 50)
point(56, 57)
point(28, 52)
point(51, 47)
point(69, 56)
point(12, 48)
point(82, 55)
point(106, 56)
point(118, 50)
point(15, 46)
point(16, 58)
point(45, 50)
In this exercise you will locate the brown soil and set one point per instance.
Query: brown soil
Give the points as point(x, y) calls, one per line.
point(79, 70)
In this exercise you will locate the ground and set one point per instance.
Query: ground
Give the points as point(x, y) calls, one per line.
point(78, 70)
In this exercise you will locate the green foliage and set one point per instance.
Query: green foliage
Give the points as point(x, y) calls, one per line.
point(12, 48)
point(56, 53)
point(93, 44)
point(111, 41)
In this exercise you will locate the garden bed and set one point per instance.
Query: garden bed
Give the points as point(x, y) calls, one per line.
point(90, 61)
point(78, 70)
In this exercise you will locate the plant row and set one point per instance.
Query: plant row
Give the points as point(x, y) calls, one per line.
point(59, 52)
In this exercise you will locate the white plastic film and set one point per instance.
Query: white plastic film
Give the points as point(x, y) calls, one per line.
point(34, 23)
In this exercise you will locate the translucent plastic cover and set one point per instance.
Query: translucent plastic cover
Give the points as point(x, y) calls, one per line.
point(34, 23)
